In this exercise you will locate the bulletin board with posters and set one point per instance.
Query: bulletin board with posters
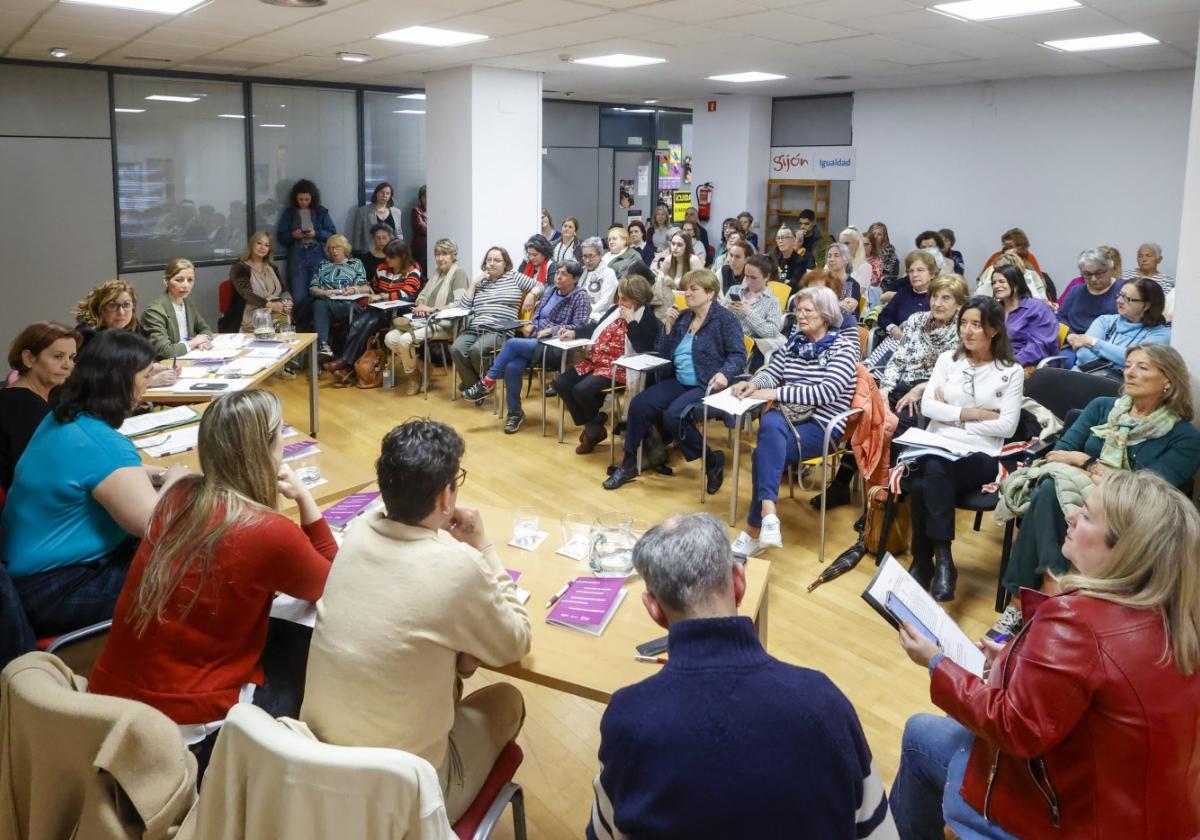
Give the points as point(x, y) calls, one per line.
point(670, 166)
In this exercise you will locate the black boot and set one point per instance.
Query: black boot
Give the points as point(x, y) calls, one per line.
point(944, 575)
point(921, 567)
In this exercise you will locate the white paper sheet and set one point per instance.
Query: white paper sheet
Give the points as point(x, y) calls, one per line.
point(642, 361)
point(391, 304)
point(244, 367)
point(146, 423)
point(230, 341)
point(920, 437)
point(172, 442)
point(276, 352)
point(731, 405)
point(345, 297)
point(567, 344)
point(450, 312)
point(214, 355)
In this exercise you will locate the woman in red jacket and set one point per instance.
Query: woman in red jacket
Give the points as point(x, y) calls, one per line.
point(1088, 723)
point(191, 622)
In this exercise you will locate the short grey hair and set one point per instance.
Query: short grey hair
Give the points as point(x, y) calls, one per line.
point(594, 242)
point(1094, 256)
point(843, 248)
point(1153, 246)
point(685, 560)
point(824, 301)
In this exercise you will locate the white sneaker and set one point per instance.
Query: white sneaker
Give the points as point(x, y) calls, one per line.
point(769, 536)
point(746, 545)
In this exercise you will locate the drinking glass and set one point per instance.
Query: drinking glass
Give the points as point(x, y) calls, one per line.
point(525, 526)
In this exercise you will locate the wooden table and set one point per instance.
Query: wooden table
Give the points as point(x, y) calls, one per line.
point(342, 475)
point(297, 344)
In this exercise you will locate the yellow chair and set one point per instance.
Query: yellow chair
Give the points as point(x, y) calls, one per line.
point(1063, 329)
point(749, 344)
point(782, 291)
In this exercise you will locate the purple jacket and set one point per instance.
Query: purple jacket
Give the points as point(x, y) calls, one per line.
point(1033, 331)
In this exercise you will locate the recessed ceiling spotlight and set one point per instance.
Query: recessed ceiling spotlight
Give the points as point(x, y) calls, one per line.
point(1102, 42)
point(129, 110)
point(59, 52)
point(272, 125)
point(357, 58)
point(408, 111)
point(996, 9)
point(749, 76)
point(649, 101)
point(431, 36)
point(839, 77)
point(159, 7)
point(619, 60)
point(232, 116)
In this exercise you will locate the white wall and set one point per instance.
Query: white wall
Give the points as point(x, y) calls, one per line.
point(1075, 162)
point(732, 148)
point(1187, 282)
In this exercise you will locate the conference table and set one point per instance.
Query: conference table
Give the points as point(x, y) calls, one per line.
point(182, 394)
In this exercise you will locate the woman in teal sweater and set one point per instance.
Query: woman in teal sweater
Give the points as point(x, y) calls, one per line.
point(1148, 428)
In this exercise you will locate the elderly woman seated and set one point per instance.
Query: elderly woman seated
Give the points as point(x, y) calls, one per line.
point(837, 263)
point(1147, 428)
point(565, 307)
point(628, 326)
point(705, 345)
point(1138, 320)
point(337, 281)
point(810, 381)
point(1032, 327)
point(911, 297)
point(598, 280)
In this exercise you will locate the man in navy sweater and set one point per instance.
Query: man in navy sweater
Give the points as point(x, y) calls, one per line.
point(727, 741)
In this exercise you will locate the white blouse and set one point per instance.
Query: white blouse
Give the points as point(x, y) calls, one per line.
point(993, 386)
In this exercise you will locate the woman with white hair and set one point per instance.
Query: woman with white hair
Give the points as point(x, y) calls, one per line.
point(1079, 306)
point(1149, 257)
point(598, 280)
point(860, 269)
point(810, 380)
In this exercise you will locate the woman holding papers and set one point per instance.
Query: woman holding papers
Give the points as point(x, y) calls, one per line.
point(810, 381)
point(706, 348)
point(1085, 724)
point(338, 280)
point(628, 326)
point(191, 622)
point(446, 283)
point(973, 399)
point(173, 323)
point(80, 498)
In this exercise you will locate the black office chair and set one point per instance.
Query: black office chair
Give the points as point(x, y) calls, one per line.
point(1061, 391)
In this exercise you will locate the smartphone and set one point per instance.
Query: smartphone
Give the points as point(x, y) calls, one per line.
point(998, 638)
point(734, 297)
point(903, 614)
point(209, 386)
point(653, 648)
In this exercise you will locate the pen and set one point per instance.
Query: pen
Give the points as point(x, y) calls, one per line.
point(175, 361)
point(652, 660)
point(554, 598)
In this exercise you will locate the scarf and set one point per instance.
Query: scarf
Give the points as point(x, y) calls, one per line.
point(1124, 430)
point(265, 283)
point(805, 348)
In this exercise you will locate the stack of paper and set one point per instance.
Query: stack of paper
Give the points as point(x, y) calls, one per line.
point(230, 341)
point(170, 443)
point(921, 443)
point(272, 350)
point(588, 604)
point(391, 304)
point(568, 343)
point(300, 450)
point(155, 420)
point(731, 405)
point(222, 354)
point(346, 297)
point(340, 515)
point(642, 361)
point(244, 366)
point(451, 312)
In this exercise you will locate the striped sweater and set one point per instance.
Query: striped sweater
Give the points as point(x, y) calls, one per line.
point(496, 300)
point(728, 742)
point(397, 285)
point(825, 383)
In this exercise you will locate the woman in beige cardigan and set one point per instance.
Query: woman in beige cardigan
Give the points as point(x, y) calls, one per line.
point(445, 285)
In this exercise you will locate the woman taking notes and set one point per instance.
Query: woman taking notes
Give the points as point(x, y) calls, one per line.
point(191, 623)
point(173, 323)
point(1085, 724)
point(80, 498)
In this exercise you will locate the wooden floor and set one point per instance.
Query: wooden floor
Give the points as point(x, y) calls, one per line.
point(831, 630)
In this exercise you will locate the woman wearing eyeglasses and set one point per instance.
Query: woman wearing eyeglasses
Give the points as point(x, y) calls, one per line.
point(974, 399)
point(113, 306)
point(1138, 320)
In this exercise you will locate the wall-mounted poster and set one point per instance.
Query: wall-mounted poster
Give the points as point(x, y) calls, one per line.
point(681, 200)
point(625, 193)
point(670, 166)
point(665, 197)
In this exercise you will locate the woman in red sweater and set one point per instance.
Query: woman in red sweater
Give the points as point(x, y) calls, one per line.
point(191, 622)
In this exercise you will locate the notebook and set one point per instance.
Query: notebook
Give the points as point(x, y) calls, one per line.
point(522, 595)
point(157, 420)
point(588, 605)
point(300, 449)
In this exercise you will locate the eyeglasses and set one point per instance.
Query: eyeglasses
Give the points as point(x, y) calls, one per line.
point(1093, 275)
point(1126, 299)
point(460, 479)
point(113, 306)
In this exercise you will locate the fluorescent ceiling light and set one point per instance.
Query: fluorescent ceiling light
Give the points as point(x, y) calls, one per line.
point(272, 125)
point(408, 111)
point(420, 96)
point(431, 36)
point(59, 52)
point(233, 116)
point(162, 97)
point(635, 110)
point(129, 110)
point(650, 101)
point(357, 58)
point(1102, 42)
point(995, 9)
point(619, 60)
point(751, 76)
point(160, 7)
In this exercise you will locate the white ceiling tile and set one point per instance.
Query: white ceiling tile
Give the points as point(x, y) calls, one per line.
point(698, 11)
point(905, 22)
point(847, 12)
point(975, 41)
point(788, 28)
point(1072, 23)
point(109, 23)
point(544, 12)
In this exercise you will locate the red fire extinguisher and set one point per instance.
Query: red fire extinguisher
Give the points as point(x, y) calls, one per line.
point(704, 199)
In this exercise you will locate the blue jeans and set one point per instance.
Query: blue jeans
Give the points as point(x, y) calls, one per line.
point(326, 311)
point(775, 450)
point(925, 796)
point(511, 363)
point(303, 260)
point(672, 402)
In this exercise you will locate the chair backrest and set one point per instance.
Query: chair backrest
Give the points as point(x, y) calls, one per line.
point(74, 764)
point(272, 778)
point(749, 344)
point(1060, 390)
point(80, 648)
point(224, 296)
point(782, 292)
point(1063, 330)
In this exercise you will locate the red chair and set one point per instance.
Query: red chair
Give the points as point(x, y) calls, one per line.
point(497, 792)
point(224, 296)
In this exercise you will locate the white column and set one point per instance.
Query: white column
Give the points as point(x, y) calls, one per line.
point(732, 147)
point(1184, 335)
point(483, 132)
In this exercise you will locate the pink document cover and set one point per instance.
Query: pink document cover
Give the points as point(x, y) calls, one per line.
point(341, 513)
point(587, 601)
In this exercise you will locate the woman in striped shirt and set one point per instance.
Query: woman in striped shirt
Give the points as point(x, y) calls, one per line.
point(810, 380)
point(493, 297)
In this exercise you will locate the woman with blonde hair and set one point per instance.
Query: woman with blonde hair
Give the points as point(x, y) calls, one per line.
point(110, 306)
point(172, 322)
point(257, 284)
point(336, 277)
point(1084, 725)
point(860, 269)
point(190, 625)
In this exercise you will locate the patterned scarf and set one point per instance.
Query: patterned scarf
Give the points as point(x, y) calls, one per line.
point(1124, 430)
point(804, 347)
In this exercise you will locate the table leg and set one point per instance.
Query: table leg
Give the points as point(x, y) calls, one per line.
point(425, 357)
point(454, 364)
point(313, 376)
point(737, 451)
